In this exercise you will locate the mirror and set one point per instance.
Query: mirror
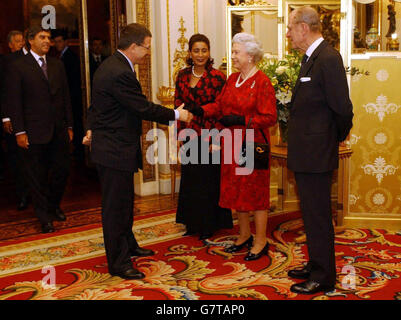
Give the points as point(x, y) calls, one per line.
point(100, 24)
point(261, 21)
point(374, 26)
point(330, 17)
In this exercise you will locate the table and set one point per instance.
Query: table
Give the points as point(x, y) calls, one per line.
point(279, 155)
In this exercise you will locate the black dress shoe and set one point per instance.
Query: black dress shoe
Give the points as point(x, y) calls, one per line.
point(235, 248)
point(130, 274)
point(47, 227)
point(303, 273)
point(58, 214)
point(189, 233)
point(23, 204)
point(254, 256)
point(141, 252)
point(311, 287)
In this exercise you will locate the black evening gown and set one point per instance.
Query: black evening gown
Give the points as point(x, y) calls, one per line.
point(198, 199)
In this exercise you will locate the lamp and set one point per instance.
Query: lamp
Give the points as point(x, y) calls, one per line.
point(393, 43)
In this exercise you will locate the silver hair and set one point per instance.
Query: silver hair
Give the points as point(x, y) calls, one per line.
point(13, 33)
point(252, 46)
point(309, 16)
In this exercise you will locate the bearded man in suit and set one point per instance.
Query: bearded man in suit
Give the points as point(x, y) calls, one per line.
point(320, 118)
point(39, 106)
point(115, 119)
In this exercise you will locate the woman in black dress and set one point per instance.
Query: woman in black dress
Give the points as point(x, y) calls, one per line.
point(199, 84)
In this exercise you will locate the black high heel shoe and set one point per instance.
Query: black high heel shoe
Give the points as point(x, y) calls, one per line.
point(254, 256)
point(235, 248)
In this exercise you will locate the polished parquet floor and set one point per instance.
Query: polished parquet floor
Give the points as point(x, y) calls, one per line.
point(81, 204)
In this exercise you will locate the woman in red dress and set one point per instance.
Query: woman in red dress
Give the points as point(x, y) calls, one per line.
point(247, 94)
point(199, 194)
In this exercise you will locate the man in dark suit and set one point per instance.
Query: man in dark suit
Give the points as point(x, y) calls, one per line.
point(96, 56)
point(39, 106)
point(115, 120)
point(2, 155)
point(16, 44)
point(320, 118)
point(73, 71)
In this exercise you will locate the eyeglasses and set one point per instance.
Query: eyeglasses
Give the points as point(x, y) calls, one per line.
point(148, 48)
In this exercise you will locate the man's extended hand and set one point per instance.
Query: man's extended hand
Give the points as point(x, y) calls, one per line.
point(22, 140)
point(70, 134)
point(87, 140)
point(7, 127)
point(185, 115)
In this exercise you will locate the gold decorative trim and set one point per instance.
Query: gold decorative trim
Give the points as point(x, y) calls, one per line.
point(253, 22)
point(113, 25)
point(145, 78)
point(166, 96)
point(196, 24)
point(168, 42)
point(248, 3)
point(180, 55)
point(84, 50)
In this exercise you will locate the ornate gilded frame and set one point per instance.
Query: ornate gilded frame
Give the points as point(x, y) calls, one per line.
point(257, 6)
point(288, 4)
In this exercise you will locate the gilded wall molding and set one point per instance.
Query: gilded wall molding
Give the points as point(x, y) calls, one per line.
point(196, 23)
point(180, 55)
point(168, 42)
point(145, 78)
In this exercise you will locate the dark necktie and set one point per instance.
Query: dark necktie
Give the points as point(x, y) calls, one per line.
point(303, 62)
point(43, 66)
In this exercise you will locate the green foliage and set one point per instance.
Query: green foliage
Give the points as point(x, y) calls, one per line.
point(283, 75)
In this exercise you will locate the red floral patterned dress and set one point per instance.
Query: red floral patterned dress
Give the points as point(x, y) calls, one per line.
point(205, 91)
point(254, 98)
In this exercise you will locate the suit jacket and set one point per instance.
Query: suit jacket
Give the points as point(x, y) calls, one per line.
point(2, 75)
point(6, 61)
point(115, 117)
point(35, 104)
point(321, 113)
point(73, 70)
point(93, 65)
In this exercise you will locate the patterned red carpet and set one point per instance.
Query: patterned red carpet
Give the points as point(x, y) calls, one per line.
point(71, 265)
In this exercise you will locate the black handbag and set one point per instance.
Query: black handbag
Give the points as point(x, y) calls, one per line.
point(261, 152)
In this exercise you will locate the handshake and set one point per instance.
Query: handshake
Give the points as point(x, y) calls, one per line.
point(186, 113)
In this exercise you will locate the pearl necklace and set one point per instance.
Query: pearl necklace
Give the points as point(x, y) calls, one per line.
point(238, 84)
point(196, 75)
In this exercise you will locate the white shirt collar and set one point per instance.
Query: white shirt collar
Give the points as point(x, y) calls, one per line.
point(36, 56)
point(129, 61)
point(64, 50)
point(24, 51)
point(313, 46)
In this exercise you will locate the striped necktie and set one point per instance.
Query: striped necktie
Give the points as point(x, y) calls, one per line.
point(44, 66)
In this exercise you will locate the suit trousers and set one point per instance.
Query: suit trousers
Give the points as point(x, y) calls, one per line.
point(117, 217)
point(46, 169)
point(15, 164)
point(314, 191)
